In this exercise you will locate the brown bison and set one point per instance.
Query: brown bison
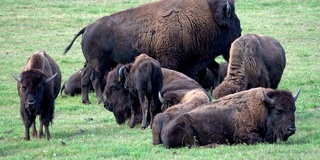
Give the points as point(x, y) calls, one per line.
point(117, 97)
point(251, 116)
point(255, 61)
point(183, 35)
point(144, 79)
point(38, 86)
point(185, 101)
point(73, 85)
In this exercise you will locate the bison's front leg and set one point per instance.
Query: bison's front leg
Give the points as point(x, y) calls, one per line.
point(40, 134)
point(46, 127)
point(34, 130)
point(252, 138)
point(26, 133)
point(28, 120)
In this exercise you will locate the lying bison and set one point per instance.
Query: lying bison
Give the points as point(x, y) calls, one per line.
point(251, 116)
point(73, 85)
point(38, 86)
point(255, 61)
point(117, 97)
point(179, 36)
point(144, 79)
point(186, 100)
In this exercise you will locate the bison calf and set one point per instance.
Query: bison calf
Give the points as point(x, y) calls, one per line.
point(38, 86)
point(144, 79)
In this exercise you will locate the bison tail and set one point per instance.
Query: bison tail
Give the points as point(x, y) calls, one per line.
point(74, 39)
point(62, 88)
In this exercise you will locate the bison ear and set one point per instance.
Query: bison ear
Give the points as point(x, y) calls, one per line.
point(268, 99)
point(50, 78)
point(295, 97)
point(16, 77)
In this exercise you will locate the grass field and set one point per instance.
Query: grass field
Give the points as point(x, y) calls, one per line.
point(28, 26)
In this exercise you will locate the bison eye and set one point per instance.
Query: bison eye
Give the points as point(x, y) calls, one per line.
point(279, 112)
point(24, 88)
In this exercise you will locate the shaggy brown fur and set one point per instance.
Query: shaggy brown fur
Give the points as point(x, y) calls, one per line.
point(255, 61)
point(244, 117)
point(38, 87)
point(117, 97)
point(190, 99)
point(144, 80)
point(183, 35)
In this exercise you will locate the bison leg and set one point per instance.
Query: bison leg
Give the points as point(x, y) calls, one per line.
point(46, 127)
point(179, 133)
point(34, 130)
point(40, 134)
point(26, 134)
point(85, 84)
point(133, 112)
point(97, 87)
point(157, 126)
point(28, 120)
point(214, 68)
point(145, 107)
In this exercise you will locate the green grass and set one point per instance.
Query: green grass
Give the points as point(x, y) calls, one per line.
point(28, 26)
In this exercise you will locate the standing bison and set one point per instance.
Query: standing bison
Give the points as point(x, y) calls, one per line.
point(251, 116)
point(144, 80)
point(38, 86)
point(255, 61)
point(183, 35)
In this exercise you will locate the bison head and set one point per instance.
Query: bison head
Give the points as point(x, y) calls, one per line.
point(31, 88)
point(281, 119)
point(117, 97)
point(224, 15)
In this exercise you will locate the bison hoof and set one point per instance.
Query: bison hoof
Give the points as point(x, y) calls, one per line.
point(26, 138)
point(86, 102)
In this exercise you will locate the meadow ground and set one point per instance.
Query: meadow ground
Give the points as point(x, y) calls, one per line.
point(28, 26)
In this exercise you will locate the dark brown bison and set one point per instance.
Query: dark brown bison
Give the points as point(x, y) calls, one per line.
point(185, 101)
point(183, 35)
point(255, 61)
point(117, 97)
point(144, 79)
point(38, 86)
point(251, 116)
point(73, 85)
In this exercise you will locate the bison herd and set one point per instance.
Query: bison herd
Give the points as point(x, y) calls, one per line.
point(155, 65)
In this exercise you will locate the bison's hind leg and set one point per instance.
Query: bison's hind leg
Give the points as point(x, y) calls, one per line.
point(145, 108)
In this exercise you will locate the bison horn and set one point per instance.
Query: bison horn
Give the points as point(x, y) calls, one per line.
point(16, 77)
point(295, 97)
point(268, 99)
point(228, 10)
point(160, 97)
point(51, 78)
point(120, 72)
